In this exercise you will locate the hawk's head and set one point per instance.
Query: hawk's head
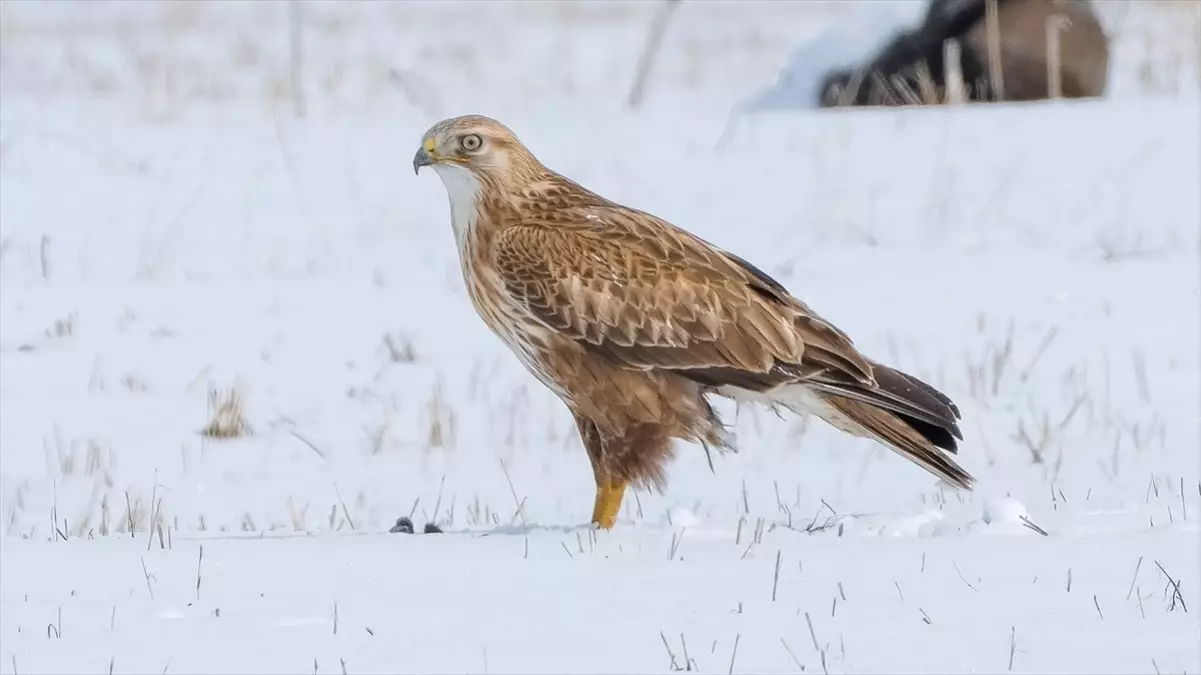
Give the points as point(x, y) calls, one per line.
point(480, 145)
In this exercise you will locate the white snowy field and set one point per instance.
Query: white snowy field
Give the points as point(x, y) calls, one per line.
point(170, 229)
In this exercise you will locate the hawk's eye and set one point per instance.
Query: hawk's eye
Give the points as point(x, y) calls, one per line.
point(471, 142)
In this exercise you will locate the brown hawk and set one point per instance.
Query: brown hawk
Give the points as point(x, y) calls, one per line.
point(633, 321)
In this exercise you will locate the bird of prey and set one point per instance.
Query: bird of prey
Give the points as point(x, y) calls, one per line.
point(634, 322)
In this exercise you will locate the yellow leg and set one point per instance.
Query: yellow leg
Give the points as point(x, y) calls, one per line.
point(608, 501)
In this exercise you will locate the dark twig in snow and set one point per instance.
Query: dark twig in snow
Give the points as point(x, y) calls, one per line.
point(650, 49)
point(812, 633)
point(775, 582)
point(961, 577)
point(1176, 594)
point(147, 575)
point(1012, 645)
point(345, 512)
point(199, 559)
point(734, 654)
point(307, 442)
point(1028, 523)
point(793, 656)
point(1135, 577)
point(673, 666)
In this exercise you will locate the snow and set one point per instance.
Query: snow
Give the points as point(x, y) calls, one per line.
point(846, 43)
point(169, 228)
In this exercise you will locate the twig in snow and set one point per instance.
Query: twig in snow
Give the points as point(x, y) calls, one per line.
point(307, 442)
point(344, 511)
point(56, 628)
point(1135, 577)
point(666, 646)
point(775, 582)
point(961, 578)
point(688, 661)
point(676, 539)
point(794, 658)
point(649, 51)
point(734, 654)
point(1048, 338)
point(44, 253)
point(1012, 645)
point(199, 560)
point(1030, 524)
point(1183, 504)
point(1176, 594)
point(513, 491)
point(146, 574)
point(153, 511)
point(129, 513)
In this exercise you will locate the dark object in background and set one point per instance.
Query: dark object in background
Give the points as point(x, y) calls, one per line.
point(404, 525)
point(918, 54)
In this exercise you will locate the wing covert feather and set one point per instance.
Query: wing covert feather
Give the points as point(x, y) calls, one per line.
point(646, 302)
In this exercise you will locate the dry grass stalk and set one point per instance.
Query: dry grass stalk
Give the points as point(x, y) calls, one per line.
point(400, 350)
point(956, 92)
point(296, 57)
point(227, 415)
point(650, 50)
point(1056, 24)
point(992, 24)
point(440, 429)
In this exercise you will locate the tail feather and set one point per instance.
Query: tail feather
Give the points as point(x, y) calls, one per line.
point(923, 407)
point(915, 442)
point(900, 411)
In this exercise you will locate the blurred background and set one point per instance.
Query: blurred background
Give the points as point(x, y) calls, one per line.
point(163, 60)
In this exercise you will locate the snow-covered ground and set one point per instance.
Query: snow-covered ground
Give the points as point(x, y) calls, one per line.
point(169, 228)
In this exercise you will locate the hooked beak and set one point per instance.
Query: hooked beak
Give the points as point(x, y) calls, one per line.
point(425, 156)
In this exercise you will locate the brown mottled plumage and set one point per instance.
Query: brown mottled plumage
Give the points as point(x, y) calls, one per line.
point(632, 321)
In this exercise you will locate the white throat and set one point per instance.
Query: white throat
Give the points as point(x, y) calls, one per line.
point(464, 189)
